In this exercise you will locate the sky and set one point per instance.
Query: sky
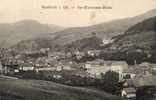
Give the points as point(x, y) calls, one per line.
point(17, 10)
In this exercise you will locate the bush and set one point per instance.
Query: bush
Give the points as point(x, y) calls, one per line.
point(110, 82)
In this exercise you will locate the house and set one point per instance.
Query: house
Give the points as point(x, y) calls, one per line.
point(129, 73)
point(57, 76)
point(10, 66)
point(26, 66)
point(150, 67)
point(145, 85)
point(129, 92)
point(79, 55)
point(94, 53)
point(46, 69)
point(95, 63)
point(10, 69)
point(144, 81)
point(59, 68)
point(97, 67)
point(106, 41)
point(117, 66)
point(64, 66)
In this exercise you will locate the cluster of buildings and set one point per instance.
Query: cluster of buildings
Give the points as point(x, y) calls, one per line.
point(58, 61)
point(139, 80)
point(132, 77)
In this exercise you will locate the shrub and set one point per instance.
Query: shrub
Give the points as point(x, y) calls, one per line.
point(110, 82)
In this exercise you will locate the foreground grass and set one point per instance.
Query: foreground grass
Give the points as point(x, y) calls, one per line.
point(13, 89)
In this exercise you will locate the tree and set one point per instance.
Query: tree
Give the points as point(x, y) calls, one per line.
point(154, 45)
point(110, 82)
point(135, 56)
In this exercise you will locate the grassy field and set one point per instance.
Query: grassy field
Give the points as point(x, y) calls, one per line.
point(17, 89)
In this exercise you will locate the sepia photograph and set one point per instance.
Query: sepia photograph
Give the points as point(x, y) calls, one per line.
point(77, 49)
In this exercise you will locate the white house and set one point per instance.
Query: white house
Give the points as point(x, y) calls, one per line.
point(97, 71)
point(94, 52)
point(107, 41)
point(28, 68)
point(95, 68)
point(128, 93)
point(117, 66)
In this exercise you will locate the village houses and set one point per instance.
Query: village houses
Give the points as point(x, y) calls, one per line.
point(143, 69)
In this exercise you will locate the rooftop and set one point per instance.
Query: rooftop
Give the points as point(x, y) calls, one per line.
point(143, 81)
point(99, 61)
point(130, 90)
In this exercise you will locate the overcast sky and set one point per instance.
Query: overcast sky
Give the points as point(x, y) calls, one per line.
point(16, 10)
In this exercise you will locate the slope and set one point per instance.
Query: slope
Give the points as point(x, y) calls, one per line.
point(103, 30)
point(11, 89)
point(138, 43)
point(14, 32)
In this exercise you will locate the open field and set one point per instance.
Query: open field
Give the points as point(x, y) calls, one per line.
point(17, 89)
